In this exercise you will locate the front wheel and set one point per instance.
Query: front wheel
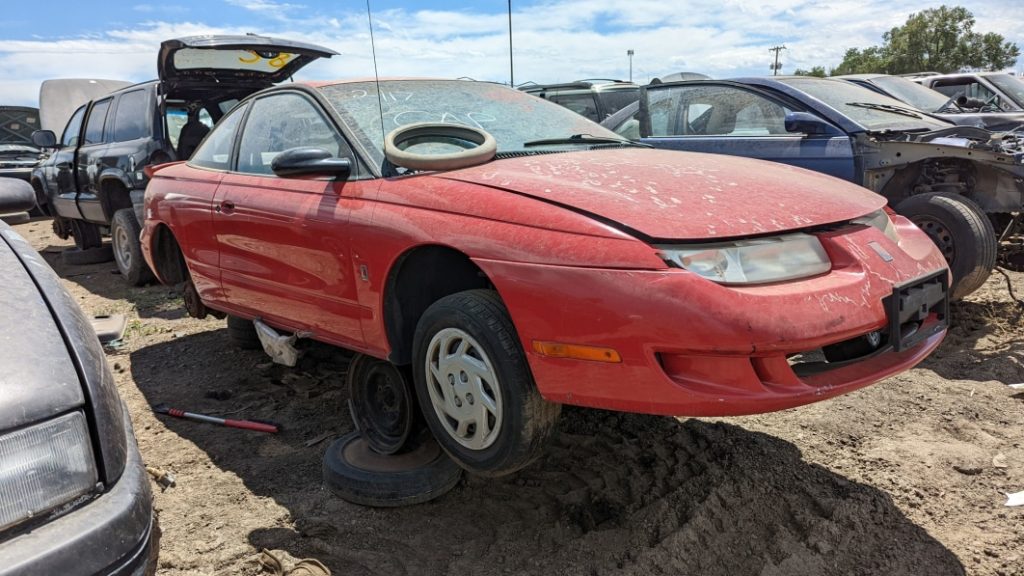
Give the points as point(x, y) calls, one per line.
point(124, 239)
point(475, 388)
point(962, 232)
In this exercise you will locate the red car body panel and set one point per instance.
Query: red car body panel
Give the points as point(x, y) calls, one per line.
point(710, 350)
point(709, 197)
point(560, 238)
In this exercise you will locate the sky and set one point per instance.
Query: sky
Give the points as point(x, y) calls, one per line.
point(552, 40)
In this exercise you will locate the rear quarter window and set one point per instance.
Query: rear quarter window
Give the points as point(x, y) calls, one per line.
point(131, 120)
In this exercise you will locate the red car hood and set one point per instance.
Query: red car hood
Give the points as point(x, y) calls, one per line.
point(679, 195)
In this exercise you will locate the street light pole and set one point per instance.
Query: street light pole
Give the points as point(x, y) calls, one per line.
point(630, 54)
point(511, 66)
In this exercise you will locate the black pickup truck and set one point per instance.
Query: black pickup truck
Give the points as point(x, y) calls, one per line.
point(94, 180)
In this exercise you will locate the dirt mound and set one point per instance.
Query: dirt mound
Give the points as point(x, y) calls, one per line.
point(626, 494)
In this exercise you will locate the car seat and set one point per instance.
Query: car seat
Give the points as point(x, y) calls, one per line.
point(192, 133)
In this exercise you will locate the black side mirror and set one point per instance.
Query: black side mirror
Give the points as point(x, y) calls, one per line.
point(807, 123)
point(308, 162)
point(44, 139)
point(16, 196)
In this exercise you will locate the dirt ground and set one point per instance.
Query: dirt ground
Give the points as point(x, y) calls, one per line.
point(904, 477)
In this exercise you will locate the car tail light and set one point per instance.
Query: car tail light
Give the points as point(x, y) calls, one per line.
point(44, 466)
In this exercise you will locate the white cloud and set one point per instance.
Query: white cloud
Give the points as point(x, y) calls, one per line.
point(553, 40)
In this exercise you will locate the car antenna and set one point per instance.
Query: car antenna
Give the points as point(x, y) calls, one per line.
point(376, 76)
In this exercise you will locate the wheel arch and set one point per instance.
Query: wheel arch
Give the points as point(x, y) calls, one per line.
point(992, 188)
point(168, 259)
point(115, 194)
point(419, 277)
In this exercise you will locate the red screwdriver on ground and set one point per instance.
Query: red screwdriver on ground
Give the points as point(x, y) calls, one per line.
point(245, 424)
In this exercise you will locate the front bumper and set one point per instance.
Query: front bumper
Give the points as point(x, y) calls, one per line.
point(19, 173)
point(694, 348)
point(111, 535)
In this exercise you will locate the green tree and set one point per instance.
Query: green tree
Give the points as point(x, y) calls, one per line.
point(818, 71)
point(937, 39)
point(864, 61)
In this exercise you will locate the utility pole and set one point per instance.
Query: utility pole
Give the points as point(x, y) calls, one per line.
point(511, 70)
point(776, 66)
point(630, 54)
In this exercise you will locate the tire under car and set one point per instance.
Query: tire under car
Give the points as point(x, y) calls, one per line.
point(355, 472)
point(963, 233)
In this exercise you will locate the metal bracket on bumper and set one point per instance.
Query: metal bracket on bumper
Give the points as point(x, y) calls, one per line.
point(911, 303)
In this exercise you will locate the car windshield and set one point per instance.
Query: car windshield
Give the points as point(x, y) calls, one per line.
point(912, 93)
point(1010, 85)
point(864, 106)
point(617, 99)
point(512, 117)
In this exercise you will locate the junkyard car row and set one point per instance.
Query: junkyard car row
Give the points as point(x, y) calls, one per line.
point(955, 182)
point(716, 248)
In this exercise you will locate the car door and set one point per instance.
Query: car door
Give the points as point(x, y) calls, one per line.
point(283, 242)
point(58, 169)
point(735, 120)
point(89, 162)
point(193, 206)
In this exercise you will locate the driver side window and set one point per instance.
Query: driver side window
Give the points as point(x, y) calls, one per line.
point(718, 111)
point(281, 122)
point(73, 129)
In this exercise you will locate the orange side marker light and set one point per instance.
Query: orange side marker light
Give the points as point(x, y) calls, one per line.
point(576, 351)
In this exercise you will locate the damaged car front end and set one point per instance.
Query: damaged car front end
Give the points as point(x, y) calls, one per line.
point(963, 185)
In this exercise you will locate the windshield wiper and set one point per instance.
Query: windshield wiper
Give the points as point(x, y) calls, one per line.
point(584, 139)
point(887, 108)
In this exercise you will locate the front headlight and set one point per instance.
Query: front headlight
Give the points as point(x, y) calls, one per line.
point(879, 219)
point(44, 466)
point(756, 261)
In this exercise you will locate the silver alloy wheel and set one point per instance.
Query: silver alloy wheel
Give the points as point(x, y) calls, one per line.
point(122, 248)
point(463, 388)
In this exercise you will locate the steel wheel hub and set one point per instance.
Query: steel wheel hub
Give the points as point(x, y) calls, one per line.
point(463, 388)
point(939, 235)
point(122, 250)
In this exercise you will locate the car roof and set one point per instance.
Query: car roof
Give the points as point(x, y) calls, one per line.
point(363, 79)
point(592, 84)
point(861, 76)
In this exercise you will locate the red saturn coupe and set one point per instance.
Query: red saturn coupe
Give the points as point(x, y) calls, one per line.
point(518, 257)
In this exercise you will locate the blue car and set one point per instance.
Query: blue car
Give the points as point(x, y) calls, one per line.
point(958, 183)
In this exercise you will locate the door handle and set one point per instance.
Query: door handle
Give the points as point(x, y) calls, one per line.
point(226, 207)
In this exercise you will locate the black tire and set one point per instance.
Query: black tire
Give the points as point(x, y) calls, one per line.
point(527, 421)
point(383, 404)
point(354, 472)
point(963, 233)
point(124, 239)
point(242, 333)
point(86, 234)
point(79, 257)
